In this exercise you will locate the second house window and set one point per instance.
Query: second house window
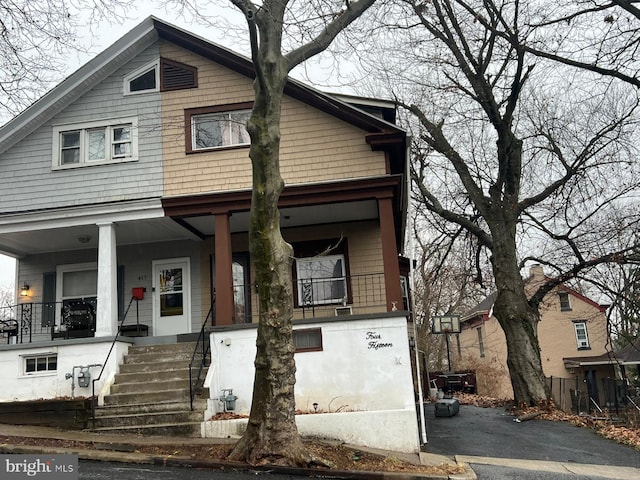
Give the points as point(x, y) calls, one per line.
point(217, 127)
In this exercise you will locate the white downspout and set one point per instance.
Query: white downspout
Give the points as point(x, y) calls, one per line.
point(423, 425)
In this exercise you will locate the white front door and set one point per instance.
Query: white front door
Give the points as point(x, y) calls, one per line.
point(171, 296)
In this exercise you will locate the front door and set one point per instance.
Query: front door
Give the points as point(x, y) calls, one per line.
point(171, 296)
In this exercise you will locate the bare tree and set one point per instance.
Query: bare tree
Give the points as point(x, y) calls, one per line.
point(446, 282)
point(521, 154)
point(271, 435)
point(35, 35)
point(600, 36)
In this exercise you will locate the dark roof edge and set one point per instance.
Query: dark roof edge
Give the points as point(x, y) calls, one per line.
point(294, 88)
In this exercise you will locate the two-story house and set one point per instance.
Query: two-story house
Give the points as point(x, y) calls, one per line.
point(125, 194)
point(572, 326)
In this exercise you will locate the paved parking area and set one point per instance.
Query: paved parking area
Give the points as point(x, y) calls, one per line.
point(490, 432)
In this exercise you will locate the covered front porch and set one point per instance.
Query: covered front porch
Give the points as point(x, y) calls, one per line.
point(163, 267)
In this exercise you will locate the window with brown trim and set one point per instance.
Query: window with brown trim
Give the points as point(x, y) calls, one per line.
point(221, 126)
point(307, 340)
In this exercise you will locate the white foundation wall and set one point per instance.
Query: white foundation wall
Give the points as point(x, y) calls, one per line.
point(21, 386)
point(361, 382)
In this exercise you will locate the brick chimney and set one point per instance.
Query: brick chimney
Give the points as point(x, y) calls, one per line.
point(536, 271)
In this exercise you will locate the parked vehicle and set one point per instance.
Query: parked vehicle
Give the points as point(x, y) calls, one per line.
point(457, 381)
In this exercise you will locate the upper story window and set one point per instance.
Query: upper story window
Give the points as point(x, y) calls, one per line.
point(582, 338)
point(480, 341)
point(108, 141)
point(217, 127)
point(565, 303)
point(161, 75)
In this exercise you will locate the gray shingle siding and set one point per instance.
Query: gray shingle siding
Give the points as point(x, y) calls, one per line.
point(27, 181)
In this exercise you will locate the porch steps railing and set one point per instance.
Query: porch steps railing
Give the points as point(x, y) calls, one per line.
point(151, 394)
point(201, 356)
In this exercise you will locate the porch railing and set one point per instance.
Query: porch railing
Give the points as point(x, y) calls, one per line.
point(200, 355)
point(94, 400)
point(322, 297)
point(38, 321)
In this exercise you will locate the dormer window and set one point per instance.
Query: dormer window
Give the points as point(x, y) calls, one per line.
point(161, 75)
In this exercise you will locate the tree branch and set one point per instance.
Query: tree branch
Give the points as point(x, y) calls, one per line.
point(342, 20)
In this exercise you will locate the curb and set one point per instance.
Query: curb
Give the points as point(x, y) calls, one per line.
point(168, 460)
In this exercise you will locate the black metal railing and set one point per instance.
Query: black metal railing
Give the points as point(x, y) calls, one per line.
point(104, 364)
point(38, 321)
point(200, 355)
point(320, 297)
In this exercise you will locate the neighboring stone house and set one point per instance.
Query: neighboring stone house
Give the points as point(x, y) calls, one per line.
point(571, 325)
point(130, 182)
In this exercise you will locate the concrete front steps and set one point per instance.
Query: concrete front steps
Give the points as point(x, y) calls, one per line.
point(150, 394)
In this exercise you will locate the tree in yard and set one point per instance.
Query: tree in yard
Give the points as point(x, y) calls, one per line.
point(519, 153)
point(271, 435)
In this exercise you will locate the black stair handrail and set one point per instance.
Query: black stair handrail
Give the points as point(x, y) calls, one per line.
point(104, 364)
point(199, 357)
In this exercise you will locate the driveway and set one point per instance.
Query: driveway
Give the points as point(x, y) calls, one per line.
point(490, 432)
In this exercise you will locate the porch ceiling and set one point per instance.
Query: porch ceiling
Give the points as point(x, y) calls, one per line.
point(78, 237)
point(151, 230)
point(294, 216)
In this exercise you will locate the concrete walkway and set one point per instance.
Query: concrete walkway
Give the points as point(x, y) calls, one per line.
point(583, 470)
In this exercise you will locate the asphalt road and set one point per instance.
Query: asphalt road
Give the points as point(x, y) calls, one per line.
point(88, 470)
point(490, 432)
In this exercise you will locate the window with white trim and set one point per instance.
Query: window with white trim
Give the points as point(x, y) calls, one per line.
point(95, 143)
point(34, 364)
point(76, 284)
point(143, 80)
point(321, 280)
point(582, 338)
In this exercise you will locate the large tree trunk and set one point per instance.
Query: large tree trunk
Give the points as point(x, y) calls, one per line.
point(271, 436)
point(518, 319)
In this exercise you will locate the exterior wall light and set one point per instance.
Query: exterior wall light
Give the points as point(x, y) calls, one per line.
point(24, 291)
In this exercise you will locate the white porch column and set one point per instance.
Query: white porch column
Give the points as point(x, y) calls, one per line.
point(107, 307)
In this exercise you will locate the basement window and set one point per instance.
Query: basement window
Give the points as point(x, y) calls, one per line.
point(40, 363)
point(308, 340)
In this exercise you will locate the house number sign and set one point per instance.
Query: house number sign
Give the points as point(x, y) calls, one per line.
point(374, 341)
